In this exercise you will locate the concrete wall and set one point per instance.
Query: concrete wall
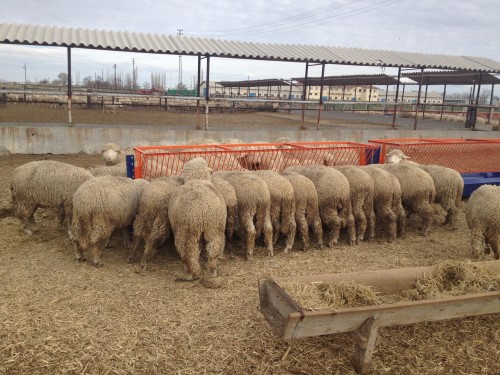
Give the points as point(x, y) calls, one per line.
point(42, 139)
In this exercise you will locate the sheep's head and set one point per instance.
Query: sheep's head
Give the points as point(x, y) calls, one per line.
point(395, 157)
point(197, 168)
point(111, 154)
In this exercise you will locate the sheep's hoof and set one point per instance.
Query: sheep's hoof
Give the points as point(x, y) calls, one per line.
point(249, 256)
point(270, 253)
point(98, 264)
point(288, 248)
point(80, 259)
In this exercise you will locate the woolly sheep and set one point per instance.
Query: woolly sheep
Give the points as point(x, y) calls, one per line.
point(196, 169)
point(102, 205)
point(418, 191)
point(333, 199)
point(112, 154)
point(448, 182)
point(117, 170)
point(229, 194)
point(151, 224)
point(254, 203)
point(282, 209)
point(482, 213)
point(387, 201)
point(306, 208)
point(361, 187)
point(197, 211)
point(45, 183)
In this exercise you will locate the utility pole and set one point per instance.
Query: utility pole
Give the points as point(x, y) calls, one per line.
point(179, 32)
point(24, 67)
point(133, 74)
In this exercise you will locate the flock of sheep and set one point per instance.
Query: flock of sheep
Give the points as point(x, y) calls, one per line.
point(202, 208)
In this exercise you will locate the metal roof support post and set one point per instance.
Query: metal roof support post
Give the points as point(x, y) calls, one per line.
point(304, 91)
point(369, 100)
point(385, 101)
point(396, 100)
point(355, 94)
point(491, 104)
point(198, 87)
point(343, 93)
point(477, 99)
point(415, 122)
point(425, 96)
point(207, 92)
point(321, 94)
point(70, 120)
point(442, 104)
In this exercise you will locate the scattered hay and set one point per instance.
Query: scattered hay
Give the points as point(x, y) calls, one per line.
point(452, 278)
point(449, 278)
point(323, 296)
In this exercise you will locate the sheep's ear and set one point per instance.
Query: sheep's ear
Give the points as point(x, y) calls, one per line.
point(406, 157)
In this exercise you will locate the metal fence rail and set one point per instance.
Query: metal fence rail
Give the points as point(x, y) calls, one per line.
point(157, 161)
point(463, 155)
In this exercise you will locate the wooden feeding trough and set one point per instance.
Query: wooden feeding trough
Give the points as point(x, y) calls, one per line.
point(290, 321)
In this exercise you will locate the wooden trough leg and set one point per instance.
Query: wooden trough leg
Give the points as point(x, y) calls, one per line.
point(366, 339)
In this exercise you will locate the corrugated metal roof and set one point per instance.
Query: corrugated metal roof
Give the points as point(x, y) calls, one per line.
point(350, 80)
point(184, 45)
point(255, 83)
point(452, 78)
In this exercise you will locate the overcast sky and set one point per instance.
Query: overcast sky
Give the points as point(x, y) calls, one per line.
point(454, 27)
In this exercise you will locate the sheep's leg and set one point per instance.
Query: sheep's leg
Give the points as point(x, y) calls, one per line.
point(371, 225)
point(389, 220)
point(291, 231)
point(95, 250)
point(79, 252)
point(149, 253)
point(192, 256)
point(303, 229)
point(360, 223)
point(127, 234)
point(250, 234)
point(134, 249)
point(494, 242)
point(425, 211)
point(317, 229)
point(276, 223)
point(351, 229)
point(400, 221)
point(333, 221)
point(25, 213)
point(268, 235)
point(215, 246)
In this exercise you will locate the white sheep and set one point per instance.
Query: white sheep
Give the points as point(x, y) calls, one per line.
point(229, 194)
point(482, 213)
point(45, 183)
point(282, 209)
point(387, 201)
point(198, 212)
point(112, 154)
point(102, 205)
point(306, 208)
point(448, 182)
point(151, 224)
point(361, 187)
point(254, 203)
point(418, 191)
point(333, 199)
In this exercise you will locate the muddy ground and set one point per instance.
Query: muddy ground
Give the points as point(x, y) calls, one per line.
point(58, 316)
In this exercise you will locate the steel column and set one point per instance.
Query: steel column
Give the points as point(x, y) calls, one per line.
point(207, 93)
point(198, 87)
point(320, 94)
point(70, 120)
point(442, 104)
point(491, 103)
point(415, 122)
point(396, 100)
point(304, 91)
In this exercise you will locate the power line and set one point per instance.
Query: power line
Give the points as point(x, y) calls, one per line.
point(277, 29)
point(300, 16)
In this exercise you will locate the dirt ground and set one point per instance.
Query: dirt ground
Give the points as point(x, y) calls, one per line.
point(58, 316)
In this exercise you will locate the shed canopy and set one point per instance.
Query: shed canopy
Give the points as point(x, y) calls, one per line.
point(452, 78)
point(185, 45)
point(255, 83)
point(350, 80)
